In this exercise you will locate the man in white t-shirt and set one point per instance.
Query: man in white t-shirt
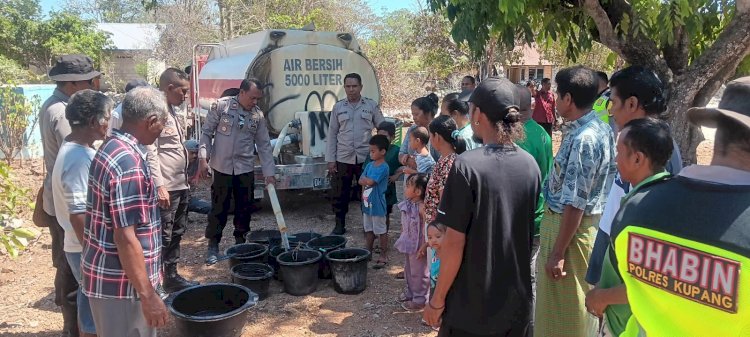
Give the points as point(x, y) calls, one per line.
point(635, 92)
point(88, 113)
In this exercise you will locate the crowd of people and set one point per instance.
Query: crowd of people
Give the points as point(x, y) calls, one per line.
point(610, 236)
point(486, 205)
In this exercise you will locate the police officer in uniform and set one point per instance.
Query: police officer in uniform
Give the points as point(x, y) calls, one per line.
point(234, 127)
point(349, 132)
point(167, 159)
point(681, 243)
point(71, 73)
point(601, 106)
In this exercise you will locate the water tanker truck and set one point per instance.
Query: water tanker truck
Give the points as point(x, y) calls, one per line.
point(303, 76)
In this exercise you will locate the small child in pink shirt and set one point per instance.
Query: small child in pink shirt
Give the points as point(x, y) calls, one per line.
point(416, 268)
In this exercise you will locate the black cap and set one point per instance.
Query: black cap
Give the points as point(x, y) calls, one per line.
point(72, 68)
point(735, 104)
point(135, 84)
point(494, 96)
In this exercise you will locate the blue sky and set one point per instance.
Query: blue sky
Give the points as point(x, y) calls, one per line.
point(48, 5)
point(378, 6)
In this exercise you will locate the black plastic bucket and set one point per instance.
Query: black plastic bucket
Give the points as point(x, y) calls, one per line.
point(326, 244)
point(272, 254)
point(212, 310)
point(302, 238)
point(270, 237)
point(349, 269)
point(254, 276)
point(299, 269)
point(246, 253)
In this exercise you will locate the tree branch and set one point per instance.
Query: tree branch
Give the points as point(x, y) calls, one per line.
point(733, 44)
point(709, 89)
point(607, 35)
point(677, 54)
point(636, 48)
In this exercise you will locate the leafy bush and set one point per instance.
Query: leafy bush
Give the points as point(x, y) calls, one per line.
point(14, 237)
point(12, 70)
point(17, 120)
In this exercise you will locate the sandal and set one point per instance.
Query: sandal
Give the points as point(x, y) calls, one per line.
point(380, 264)
point(412, 307)
point(431, 327)
point(400, 275)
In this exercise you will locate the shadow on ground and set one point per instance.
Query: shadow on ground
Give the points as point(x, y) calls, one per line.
point(31, 334)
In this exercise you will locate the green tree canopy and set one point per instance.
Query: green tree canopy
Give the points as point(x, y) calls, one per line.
point(65, 33)
point(694, 45)
point(29, 40)
point(115, 11)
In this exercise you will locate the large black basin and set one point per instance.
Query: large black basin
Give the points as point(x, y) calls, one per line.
point(212, 310)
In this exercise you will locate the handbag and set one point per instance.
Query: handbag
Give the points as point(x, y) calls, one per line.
point(40, 217)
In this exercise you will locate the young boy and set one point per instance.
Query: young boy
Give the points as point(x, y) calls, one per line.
point(422, 162)
point(374, 182)
point(388, 129)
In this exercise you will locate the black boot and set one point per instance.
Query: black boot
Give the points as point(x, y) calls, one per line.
point(340, 228)
point(212, 254)
point(173, 282)
point(70, 319)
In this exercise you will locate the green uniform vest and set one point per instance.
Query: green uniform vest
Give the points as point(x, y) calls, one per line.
point(682, 267)
point(680, 287)
point(601, 106)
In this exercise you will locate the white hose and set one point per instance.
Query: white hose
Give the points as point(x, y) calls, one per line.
point(282, 136)
point(286, 141)
point(279, 217)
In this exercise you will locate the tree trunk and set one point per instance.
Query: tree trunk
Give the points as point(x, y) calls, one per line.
point(230, 27)
point(222, 14)
point(687, 136)
point(689, 84)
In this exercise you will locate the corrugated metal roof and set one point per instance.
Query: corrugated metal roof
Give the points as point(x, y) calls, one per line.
point(132, 36)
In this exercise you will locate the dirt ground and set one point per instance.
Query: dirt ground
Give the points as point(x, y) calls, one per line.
point(28, 309)
point(26, 283)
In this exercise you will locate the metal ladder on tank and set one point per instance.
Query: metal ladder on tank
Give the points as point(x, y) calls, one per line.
point(196, 84)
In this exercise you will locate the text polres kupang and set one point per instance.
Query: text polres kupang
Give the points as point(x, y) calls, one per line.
point(689, 273)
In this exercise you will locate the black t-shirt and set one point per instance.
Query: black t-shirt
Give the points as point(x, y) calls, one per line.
point(491, 195)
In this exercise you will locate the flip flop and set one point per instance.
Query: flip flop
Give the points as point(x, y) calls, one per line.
point(400, 275)
point(412, 307)
point(380, 264)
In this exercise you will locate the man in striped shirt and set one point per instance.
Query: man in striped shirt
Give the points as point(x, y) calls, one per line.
point(121, 260)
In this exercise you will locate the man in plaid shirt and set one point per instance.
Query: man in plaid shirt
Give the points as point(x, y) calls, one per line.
point(121, 260)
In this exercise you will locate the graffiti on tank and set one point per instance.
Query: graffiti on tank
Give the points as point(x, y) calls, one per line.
point(319, 120)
